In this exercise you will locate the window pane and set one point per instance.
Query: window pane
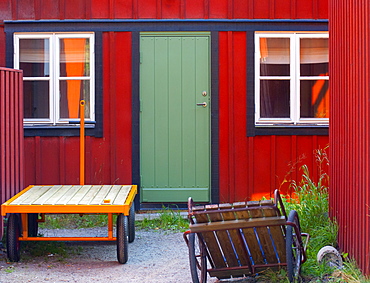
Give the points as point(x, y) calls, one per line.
point(71, 92)
point(274, 56)
point(314, 56)
point(275, 99)
point(315, 99)
point(34, 57)
point(36, 99)
point(74, 57)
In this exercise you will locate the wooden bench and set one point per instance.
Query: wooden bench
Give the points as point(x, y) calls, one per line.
point(243, 238)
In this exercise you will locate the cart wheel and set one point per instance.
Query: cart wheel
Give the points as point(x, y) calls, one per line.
point(198, 260)
point(131, 224)
point(293, 251)
point(33, 225)
point(122, 238)
point(13, 245)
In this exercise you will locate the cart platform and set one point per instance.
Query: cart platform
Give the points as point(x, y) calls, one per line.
point(73, 199)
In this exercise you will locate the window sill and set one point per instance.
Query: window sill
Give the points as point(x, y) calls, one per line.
point(290, 129)
point(89, 125)
point(69, 130)
point(286, 125)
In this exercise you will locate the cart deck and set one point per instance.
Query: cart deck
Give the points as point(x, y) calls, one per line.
point(73, 199)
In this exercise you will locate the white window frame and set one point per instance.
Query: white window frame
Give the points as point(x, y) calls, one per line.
point(294, 77)
point(54, 76)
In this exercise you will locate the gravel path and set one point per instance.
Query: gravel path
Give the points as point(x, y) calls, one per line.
point(154, 256)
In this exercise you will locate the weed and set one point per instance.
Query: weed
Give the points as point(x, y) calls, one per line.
point(73, 221)
point(310, 200)
point(9, 269)
point(167, 219)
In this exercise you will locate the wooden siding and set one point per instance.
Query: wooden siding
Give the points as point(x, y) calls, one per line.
point(349, 126)
point(55, 160)
point(11, 135)
point(163, 9)
point(251, 167)
point(248, 167)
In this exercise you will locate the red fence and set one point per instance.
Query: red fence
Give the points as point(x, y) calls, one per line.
point(11, 135)
point(349, 126)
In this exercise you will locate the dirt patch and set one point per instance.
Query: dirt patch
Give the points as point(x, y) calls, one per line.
point(154, 256)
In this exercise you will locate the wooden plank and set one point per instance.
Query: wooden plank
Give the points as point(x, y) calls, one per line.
point(223, 238)
point(111, 195)
point(235, 237)
point(277, 236)
point(80, 193)
point(100, 196)
point(18, 200)
point(67, 193)
point(57, 195)
point(122, 195)
point(229, 273)
point(238, 224)
point(211, 243)
point(264, 234)
point(49, 194)
point(86, 200)
point(250, 235)
point(32, 195)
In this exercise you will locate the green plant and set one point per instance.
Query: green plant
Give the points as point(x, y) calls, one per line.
point(167, 219)
point(310, 200)
point(73, 221)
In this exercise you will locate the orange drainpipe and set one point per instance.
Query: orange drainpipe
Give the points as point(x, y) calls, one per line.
point(82, 142)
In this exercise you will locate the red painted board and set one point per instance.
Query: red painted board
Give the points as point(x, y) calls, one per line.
point(223, 118)
point(123, 9)
point(218, 9)
point(147, 9)
point(261, 9)
point(283, 9)
point(49, 10)
point(241, 9)
point(25, 9)
point(75, 9)
point(305, 9)
point(101, 9)
point(5, 11)
point(195, 10)
point(171, 9)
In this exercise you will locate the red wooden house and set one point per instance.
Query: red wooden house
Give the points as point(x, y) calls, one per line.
point(212, 99)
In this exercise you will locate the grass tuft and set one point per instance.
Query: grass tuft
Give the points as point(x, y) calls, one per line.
point(168, 219)
point(310, 200)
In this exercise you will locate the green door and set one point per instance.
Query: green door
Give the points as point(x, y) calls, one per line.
point(174, 117)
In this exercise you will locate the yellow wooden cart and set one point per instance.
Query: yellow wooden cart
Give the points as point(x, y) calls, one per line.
point(25, 207)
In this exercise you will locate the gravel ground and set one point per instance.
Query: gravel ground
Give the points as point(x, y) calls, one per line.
point(154, 256)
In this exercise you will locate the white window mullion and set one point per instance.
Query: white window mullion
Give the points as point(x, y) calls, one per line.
point(295, 86)
point(92, 78)
point(257, 55)
point(53, 75)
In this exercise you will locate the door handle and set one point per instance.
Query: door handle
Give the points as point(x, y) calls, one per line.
point(204, 104)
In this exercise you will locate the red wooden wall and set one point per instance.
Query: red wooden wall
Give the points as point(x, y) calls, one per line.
point(248, 166)
point(350, 126)
point(11, 135)
point(163, 9)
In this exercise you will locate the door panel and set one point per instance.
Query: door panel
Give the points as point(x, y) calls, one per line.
point(174, 131)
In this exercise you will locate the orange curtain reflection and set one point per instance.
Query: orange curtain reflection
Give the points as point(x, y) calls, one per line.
point(320, 101)
point(74, 49)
